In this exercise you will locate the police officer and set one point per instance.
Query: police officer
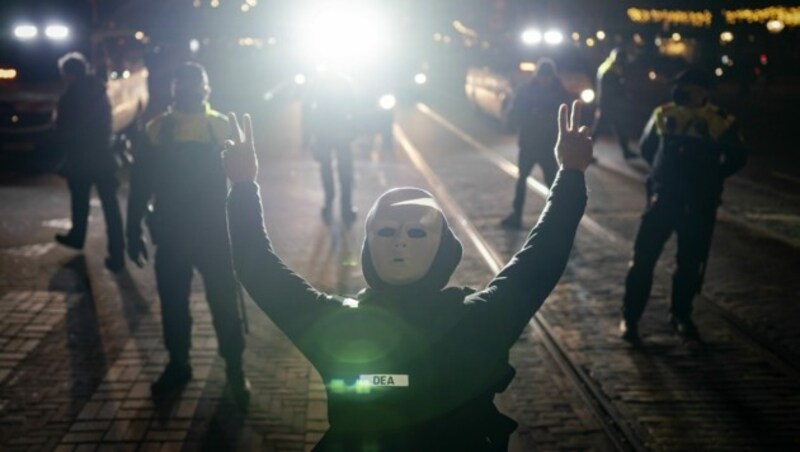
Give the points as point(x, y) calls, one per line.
point(408, 363)
point(181, 170)
point(611, 100)
point(83, 128)
point(692, 146)
point(331, 112)
point(533, 113)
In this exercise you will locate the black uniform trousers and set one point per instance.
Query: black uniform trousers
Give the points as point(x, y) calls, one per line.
point(175, 260)
point(694, 225)
point(324, 153)
point(80, 189)
point(529, 156)
point(614, 124)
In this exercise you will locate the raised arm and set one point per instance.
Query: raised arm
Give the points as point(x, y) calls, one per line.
point(515, 294)
point(287, 298)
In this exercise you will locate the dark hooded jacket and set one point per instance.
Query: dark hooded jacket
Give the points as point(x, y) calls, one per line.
point(84, 129)
point(446, 349)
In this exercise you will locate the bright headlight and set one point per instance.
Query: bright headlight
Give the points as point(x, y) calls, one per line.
point(532, 37)
point(387, 101)
point(420, 78)
point(25, 31)
point(56, 32)
point(587, 95)
point(553, 37)
point(299, 79)
point(343, 35)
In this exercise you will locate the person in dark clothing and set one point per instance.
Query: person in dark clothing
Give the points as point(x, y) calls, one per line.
point(611, 100)
point(331, 111)
point(533, 113)
point(180, 168)
point(83, 129)
point(408, 363)
point(692, 147)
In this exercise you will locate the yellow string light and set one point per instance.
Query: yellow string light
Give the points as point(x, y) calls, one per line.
point(693, 18)
point(790, 16)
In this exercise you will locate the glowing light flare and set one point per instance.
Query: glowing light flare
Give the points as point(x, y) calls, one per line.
point(726, 37)
point(343, 35)
point(532, 37)
point(57, 32)
point(299, 79)
point(8, 73)
point(590, 42)
point(576, 36)
point(194, 45)
point(553, 37)
point(763, 59)
point(652, 75)
point(637, 38)
point(587, 95)
point(601, 35)
point(25, 31)
point(775, 26)
point(676, 36)
point(387, 101)
point(214, 3)
point(139, 35)
point(527, 66)
point(245, 7)
point(420, 78)
point(718, 71)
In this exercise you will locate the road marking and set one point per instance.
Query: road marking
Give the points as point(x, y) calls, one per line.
point(58, 223)
point(35, 250)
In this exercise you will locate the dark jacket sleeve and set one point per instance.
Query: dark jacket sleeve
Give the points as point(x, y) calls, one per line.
point(288, 299)
point(503, 309)
point(649, 142)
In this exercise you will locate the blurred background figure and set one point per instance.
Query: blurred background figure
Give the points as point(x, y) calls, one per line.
point(612, 99)
point(692, 146)
point(534, 114)
point(331, 110)
point(84, 132)
point(180, 167)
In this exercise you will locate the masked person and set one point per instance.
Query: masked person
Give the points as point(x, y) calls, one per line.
point(612, 99)
point(692, 146)
point(83, 128)
point(181, 171)
point(408, 363)
point(330, 120)
point(533, 113)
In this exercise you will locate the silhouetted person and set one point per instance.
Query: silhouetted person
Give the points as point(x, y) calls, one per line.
point(180, 169)
point(407, 363)
point(612, 100)
point(83, 130)
point(534, 113)
point(331, 112)
point(692, 146)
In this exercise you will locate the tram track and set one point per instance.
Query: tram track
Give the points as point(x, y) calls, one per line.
point(778, 356)
point(613, 422)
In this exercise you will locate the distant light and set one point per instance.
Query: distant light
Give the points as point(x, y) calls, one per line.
point(196, 3)
point(299, 79)
point(775, 26)
point(252, 3)
point(590, 42)
point(139, 35)
point(601, 35)
point(553, 37)
point(26, 31)
point(676, 36)
point(726, 36)
point(387, 101)
point(587, 95)
point(437, 36)
point(57, 32)
point(718, 72)
point(126, 74)
point(576, 36)
point(527, 66)
point(214, 3)
point(657, 41)
point(15, 119)
point(763, 59)
point(446, 39)
point(637, 38)
point(8, 73)
point(113, 75)
point(652, 75)
point(194, 45)
point(532, 37)
point(726, 60)
point(420, 78)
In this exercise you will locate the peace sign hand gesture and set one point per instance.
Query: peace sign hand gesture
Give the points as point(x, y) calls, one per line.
point(574, 147)
point(241, 163)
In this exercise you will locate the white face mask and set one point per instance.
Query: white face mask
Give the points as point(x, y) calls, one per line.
point(404, 238)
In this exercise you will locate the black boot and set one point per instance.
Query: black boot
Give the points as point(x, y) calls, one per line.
point(175, 376)
point(70, 241)
point(685, 328)
point(629, 331)
point(513, 221)
point(115, 264)
point(239, 386)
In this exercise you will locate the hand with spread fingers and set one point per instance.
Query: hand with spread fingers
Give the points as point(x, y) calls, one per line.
point(241, 163)
point(574, 145)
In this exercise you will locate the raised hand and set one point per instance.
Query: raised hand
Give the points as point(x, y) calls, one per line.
point(574, 145)
point(241, 163)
